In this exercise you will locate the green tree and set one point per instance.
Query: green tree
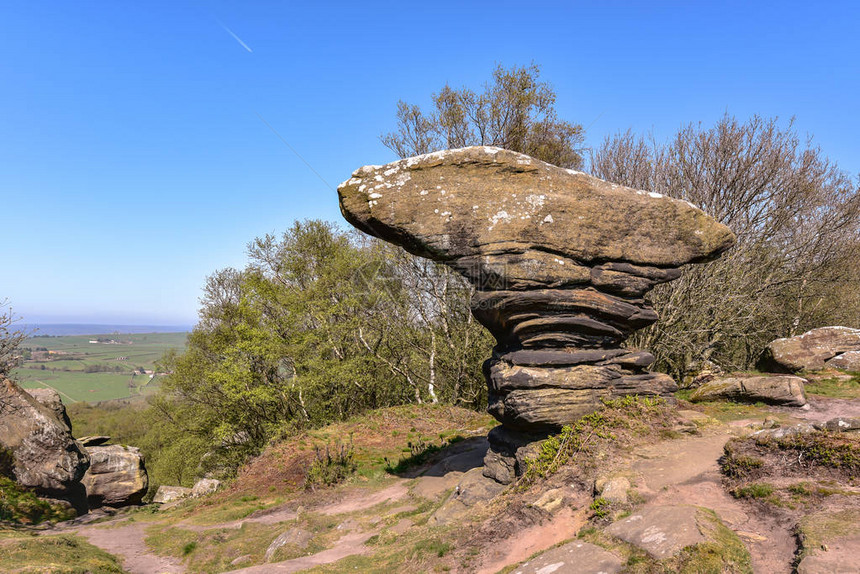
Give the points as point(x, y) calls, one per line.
point(515, 111)
point(278, 343)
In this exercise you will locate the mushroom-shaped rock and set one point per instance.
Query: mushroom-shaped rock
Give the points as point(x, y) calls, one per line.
point(561, 261)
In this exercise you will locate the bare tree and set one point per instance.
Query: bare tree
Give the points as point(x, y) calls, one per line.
point(797, 218)
point(10, 339)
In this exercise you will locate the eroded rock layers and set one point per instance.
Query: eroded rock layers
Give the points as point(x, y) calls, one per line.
point(561, 262)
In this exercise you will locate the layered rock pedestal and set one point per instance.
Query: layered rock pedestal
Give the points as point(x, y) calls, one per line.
point(561, 262)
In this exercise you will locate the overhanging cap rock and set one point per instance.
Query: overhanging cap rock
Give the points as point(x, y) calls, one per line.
point(484, 200)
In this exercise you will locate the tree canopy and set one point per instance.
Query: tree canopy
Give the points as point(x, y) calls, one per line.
point(515, 111)
point(797, 218)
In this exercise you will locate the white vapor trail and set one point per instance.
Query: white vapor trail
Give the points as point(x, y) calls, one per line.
point(235, 37)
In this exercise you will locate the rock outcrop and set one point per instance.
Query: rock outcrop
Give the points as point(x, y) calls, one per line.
point(786, 390)
point(51, 399)
point(205, 486)
point(45, 455)
point(116, 477)
point(561, 262)
point(812, 351)
point(848, 361)
point(166, 494)
point(664, 531)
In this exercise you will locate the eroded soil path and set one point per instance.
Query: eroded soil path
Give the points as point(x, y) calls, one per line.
point(686, 471)
point(127, 542)
point(348, 545)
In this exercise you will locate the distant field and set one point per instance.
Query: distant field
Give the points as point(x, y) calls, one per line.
point(62, 363)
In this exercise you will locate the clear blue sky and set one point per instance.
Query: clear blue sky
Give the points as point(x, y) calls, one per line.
point(133, 162)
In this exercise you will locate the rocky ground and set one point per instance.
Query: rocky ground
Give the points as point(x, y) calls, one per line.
point(664, 503)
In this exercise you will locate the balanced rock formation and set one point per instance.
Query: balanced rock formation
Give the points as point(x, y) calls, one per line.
point(814, 350)
point(45, 455)
point(560, 260)
point(116, 477)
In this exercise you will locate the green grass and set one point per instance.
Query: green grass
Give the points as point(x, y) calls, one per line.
point(66, 554)
point(814, 531)
point(834, 387)
point(65, 370)
point(754, 490)
point(19, 505)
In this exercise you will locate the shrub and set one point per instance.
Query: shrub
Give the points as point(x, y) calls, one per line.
point(331, 465)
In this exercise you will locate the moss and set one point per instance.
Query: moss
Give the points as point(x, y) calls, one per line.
point(634, 415)
point(724, 553)
point(21, 506)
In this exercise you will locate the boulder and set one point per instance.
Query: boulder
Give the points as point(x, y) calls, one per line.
point(829, 542)
point(473, 489)
point(166, 494)
point(784, 390)
point(849, 361)
point(51, 399)
point(840, 424)
point(296, 537)
point(809, 351)
point(783, 432)
point(612, 489)
point(117, 476)
point(662, 531)
point(44, 454)
point(561, 262)
point(205, 486)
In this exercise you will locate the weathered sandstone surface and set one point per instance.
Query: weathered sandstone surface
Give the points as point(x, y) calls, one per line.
point(51, 399)
point(561, 262)
point(784, 390)
point(116, 477)
point(826, 346)
point(45, 455)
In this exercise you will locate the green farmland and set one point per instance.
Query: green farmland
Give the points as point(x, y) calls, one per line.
point(96, 367)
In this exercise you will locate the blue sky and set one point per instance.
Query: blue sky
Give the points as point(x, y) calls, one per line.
point(134, 161)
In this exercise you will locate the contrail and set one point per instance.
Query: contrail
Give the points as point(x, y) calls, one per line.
point(235, 37)
point(298, 155)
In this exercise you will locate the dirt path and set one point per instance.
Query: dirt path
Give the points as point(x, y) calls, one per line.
point(565, 524)
point(353, 503)
point(127, 542)
point(349, 545)
point(823, 409)
point(267, 516)
point(686, 471)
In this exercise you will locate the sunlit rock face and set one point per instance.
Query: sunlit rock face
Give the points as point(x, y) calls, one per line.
point(561, 262)
point(40, 448)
